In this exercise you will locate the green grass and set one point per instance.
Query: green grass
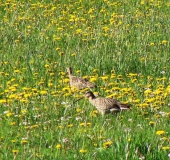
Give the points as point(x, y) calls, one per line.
point(122, 46)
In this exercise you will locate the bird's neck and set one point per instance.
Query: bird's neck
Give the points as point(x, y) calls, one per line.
point(91, 98)
point(70, 74)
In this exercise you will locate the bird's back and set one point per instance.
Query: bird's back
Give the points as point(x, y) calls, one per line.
point(105, 104)
point(80, 83)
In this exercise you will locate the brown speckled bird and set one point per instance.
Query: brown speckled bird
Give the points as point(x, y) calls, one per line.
point(79, 82)
point(106, 105)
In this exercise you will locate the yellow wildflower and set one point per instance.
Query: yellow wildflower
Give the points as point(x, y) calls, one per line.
point(166, 148)
point(43, 92)
point(151, 123)
point(107, 144)
point(15, 151)
point(58, 146)
point(161, 132)
point(83, 151)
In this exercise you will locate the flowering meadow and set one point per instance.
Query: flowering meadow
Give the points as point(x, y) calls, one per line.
point(121, 46)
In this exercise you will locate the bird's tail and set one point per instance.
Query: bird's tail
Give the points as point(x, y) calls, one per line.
point(91, 85)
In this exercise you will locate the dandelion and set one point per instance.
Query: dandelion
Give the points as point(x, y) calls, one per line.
point(24, 141)
point(78, 110)
point(57, 49)
point(82, 124)
point(83, 151)
point(129, 139)
point(12, 123)
point(107, 144)
point(94, 113)
point(8, 113)
point(61, 53)
point(17, 71)
point(164, 42)
point(13, 141)
point(73, 54)
point(104, 78)
point(152, 44)
point(93, 79)
point(43, 92)
point(15, 151)
point(58, 146)
point(166, 148)
point(70, 125)
point(151, 123)
point(3, 100)
point(161, 132)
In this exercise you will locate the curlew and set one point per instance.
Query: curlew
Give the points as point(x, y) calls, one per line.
point(106, 105)
point(79, 82)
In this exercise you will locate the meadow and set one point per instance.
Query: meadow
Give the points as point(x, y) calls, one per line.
point(121, 46)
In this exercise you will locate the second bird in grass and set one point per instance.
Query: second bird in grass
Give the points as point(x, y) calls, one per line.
point(79, 82)
point(106, 105)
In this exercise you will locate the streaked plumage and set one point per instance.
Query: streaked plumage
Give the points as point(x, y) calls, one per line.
point(79, 82)
point(106, 105)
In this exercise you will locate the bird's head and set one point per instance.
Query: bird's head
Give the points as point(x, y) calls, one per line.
point(69, 70)
point(89, 94)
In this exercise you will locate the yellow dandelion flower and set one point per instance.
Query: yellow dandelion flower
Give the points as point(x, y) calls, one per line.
point(88, 124)
point(66, 80)
point(13, 141)
point(35, 126)
point(70, 125)
point(136, 101)
point(115, 89)
point(61, 53)
point(113, 75)
point(3, 100)
point(23, 100)
point(17, 71)
point(164, 42)
point(52, 74)
point(83, 151)
point(58, 146)
point(57, 49)
point(107, 144)
point(132, 74)
point(161, 132)
point(73, 54)
point(78, 110)
point(104, 78)
point(9, 114)
point(129, 139)
point(12, 123)
point(95, 70)
point(166, 148)
point(78, 31)
point(24, 141)
point(50, 84)
point(82, 124)
point(94, 113)
point(15, 151)
point(142, 2)
point(43, 92)
point(60, 127)
point(93, 79)
point(152, 44)
point(65, 89)
point(151, 123)
point(148, 91)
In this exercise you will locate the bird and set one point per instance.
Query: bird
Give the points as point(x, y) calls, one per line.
point(106, 105)
point(79, 82)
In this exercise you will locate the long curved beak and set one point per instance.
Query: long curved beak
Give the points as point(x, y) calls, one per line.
point(78, 100)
